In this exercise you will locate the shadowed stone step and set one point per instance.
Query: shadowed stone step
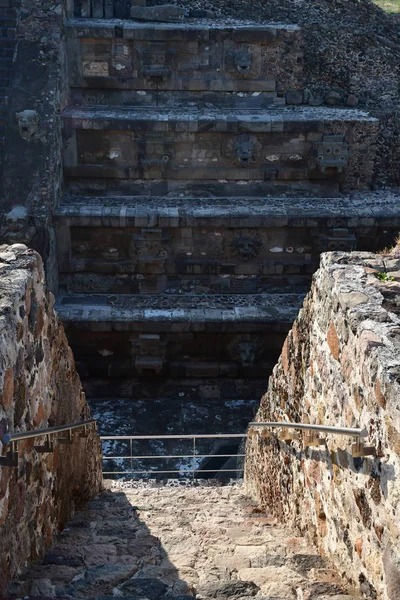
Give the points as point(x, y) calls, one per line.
point(182, 545)
point(189, 311)
point(202, 56)
point(128, 245)
point(200, 338)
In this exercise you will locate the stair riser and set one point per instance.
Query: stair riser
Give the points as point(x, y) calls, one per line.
point(180, 99)
point(180, 355)
point(211, 259)
point(198, 190)
point(274, 149)
point(185, 57)
point(280, 278)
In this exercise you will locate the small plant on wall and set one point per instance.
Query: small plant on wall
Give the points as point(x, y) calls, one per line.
point(383, 276)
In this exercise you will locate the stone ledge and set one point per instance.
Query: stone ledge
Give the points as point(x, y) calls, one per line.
point(269, 309)
point(203, 29)
point(276, 119)
point(364, 210)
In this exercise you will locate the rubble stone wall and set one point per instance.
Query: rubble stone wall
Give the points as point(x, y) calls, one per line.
point(39, 388)
point(36, 94)
point(340, 366)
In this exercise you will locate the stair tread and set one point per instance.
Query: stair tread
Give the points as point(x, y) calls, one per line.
point(188, 23)
point(171, 307)
point(278, 113)
point(156, 555)
point(362, 204)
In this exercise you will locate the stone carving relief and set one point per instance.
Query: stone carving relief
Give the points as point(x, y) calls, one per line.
point(247, 247)
point(338, 239)
point(92, 68)
point(28, 123)
point(148, 354)
point(151, 244)
point(332, 152)
point(153, 60)
point(17, 226)
point(244, 148)
point(245, 349)
point(91, 283)
point(121, 59)
point(243, 61)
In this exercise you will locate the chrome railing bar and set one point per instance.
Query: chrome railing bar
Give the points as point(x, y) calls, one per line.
point(181, 472)
point(353, 432)
point(136, 457)
point(173, 437)
point(8, 438)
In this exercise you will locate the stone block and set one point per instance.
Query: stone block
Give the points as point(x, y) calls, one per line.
point(294, 97)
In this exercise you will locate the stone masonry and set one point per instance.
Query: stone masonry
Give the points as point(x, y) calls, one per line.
point(185, 164)
point(202, 179)
point(339, 366)
point(39, 388)
point(178, 543)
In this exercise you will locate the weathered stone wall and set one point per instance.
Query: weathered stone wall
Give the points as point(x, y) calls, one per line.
point(349, 54)
point(340, 366)
point(39, 387)
point(32, 171)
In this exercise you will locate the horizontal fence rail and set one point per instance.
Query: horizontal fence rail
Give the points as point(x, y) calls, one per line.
point(10, 440)
point(311, 439)
point(194, 456)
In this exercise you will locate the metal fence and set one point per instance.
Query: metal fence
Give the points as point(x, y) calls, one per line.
point(194, 456)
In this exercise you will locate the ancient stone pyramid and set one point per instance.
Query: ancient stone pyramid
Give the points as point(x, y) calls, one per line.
point(212, 152)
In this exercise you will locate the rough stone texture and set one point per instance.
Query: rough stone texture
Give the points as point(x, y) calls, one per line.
point(350, 52)
point(339, 366)
point(178, 543)
point(286, 145)
point(39, 388)
point(38, 84)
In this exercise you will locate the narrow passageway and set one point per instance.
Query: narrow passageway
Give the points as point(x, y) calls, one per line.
point(159, 543)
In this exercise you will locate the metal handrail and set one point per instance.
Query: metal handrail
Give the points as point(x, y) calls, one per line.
point(185, 470)
point(9, 438)
point(350, 431)
point(189, 436)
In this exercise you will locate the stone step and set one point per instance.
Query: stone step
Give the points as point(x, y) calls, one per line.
point(279, 146)
point(175, 246)
point(198, 313)
point(195, 337)
point(180, 208)
point(199, 55)
point(176, 542)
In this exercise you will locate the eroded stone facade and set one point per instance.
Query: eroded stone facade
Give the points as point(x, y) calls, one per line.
point(339, 366)
point(39, 388)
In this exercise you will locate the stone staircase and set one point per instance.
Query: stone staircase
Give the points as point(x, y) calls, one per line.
point(178, 543)
point(200, 189)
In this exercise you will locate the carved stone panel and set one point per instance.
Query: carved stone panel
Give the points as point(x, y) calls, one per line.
point(332, 152)
point(242, 60)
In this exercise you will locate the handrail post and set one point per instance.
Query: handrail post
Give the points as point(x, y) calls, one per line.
point(131, 447)
point(11, 458)
point(47, 448)
point(68, 439)
point(194, 456)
